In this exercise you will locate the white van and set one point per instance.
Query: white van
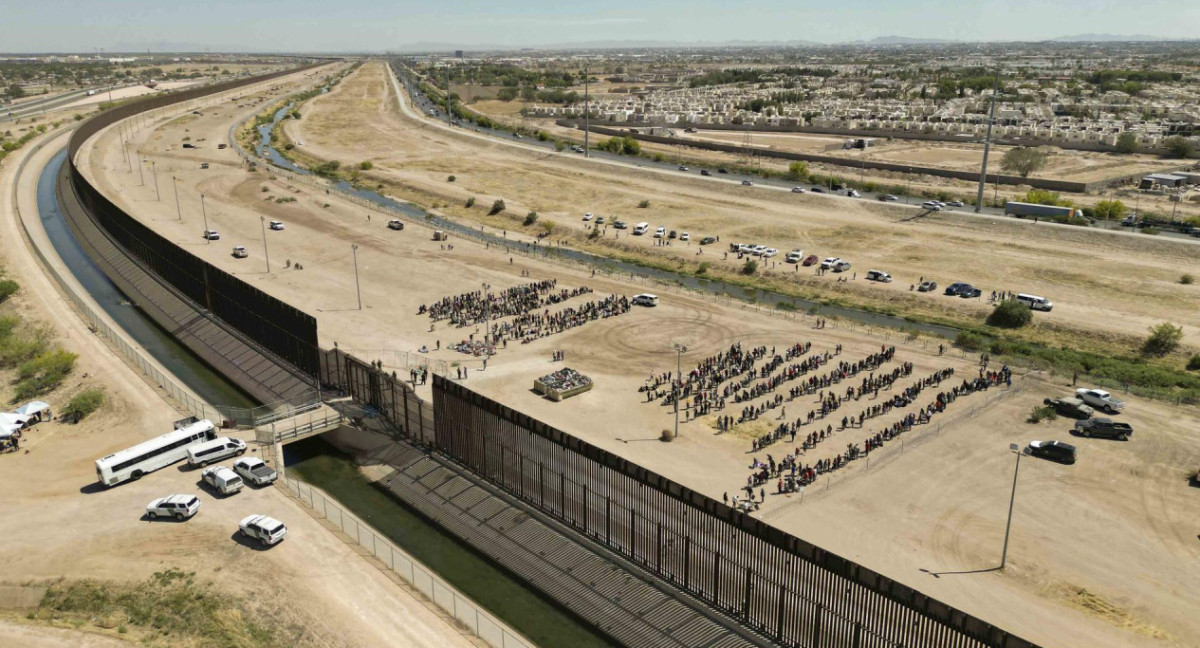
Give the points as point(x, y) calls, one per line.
point(641, 228)
point(879, 275)
point(1035, 303)
point(645, 299)
point(660, 232)
point(215, 450)
point(223, 480)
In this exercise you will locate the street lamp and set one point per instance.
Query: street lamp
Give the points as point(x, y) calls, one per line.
point(679, 351)
point(266, 254)
point(357, 290)
point(205, 213)
point(154, 174)
point(1015, 449)
point(175, 184)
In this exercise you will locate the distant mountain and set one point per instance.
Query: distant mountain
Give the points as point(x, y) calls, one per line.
point(596, 45)
point(1109, 38)
point(906, 40)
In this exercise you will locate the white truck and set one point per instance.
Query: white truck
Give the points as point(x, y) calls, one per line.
point(1021, 210)
point(255, 471)
point(1101, 400)
point(223, 480)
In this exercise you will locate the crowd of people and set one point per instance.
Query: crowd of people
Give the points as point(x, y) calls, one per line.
point(528, 327)
point(708, 374)
point(817, 384)
point(478, 307)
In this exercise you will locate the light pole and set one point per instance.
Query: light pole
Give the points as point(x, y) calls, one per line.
point(141, 174)
point(175, 184)
point(266, 254)
point(679, 351)
point(357, 290)
point(587, 109)
point(987, 146)
point(1011, 500)
point(154, 174)
point(205, 213)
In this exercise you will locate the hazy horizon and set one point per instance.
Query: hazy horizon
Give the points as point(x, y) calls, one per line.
point(376, 26)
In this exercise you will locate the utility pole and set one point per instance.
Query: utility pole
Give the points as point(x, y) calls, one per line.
point(154, 174)
point(1011, 500)
point(357, 290)
point(266, 254)
point(987, 146)
point(141, 174)
point(175, 183)
point(679, 351)
point(587, 114)
point(205, 213)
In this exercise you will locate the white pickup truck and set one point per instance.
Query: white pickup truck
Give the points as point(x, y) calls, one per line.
point(255, 471)
point(1101, 400)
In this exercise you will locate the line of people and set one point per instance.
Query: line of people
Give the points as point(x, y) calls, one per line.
point(532, 326)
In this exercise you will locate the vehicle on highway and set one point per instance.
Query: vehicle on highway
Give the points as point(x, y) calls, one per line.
point(682, 168)
point(769, 252)
point(817, 190)
point(239, 252)
point(705, 172)
point(955, 203)
point(747, 183)
point(395, 224)
point(1072, 407)
point(587, 216)
point(684, 236)
point(180, 507)
point(722, 170)
point(267, 530)
point(888, 198)
point(853, 193)
point(276, 225)
point(1035, 303)
point(879, 275)
point(255, 471)
point(215, 450)
point(1057, 451)
point(1101, 400)
point(211, 235)
point(927, 286)
point(660, 232)
point(809, 260)
point(641, 228)
point(931, 205)
point(1103, 428)
point(799, 190)
point(645, 299)
point(148, 456)
point(795, 256)
point(222, 480)
point(708, 240)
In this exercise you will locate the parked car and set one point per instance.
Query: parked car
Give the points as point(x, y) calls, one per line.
point(798, 190)
point(747, 183)
point(620, 224)
point(684, 236)
point(829, 262)
point(961, 289)
point(396, 224)
point(879, 275)
point(255, 471)
point(188, 145)
point(970, 292)
point(837, 186)
point(841, 266)
point(927, 286)
point(587, 216)
point(795, 256)
point(708, 240)
point(1104, 428)
point(276, 225)
point(221, 146)
point(673, 234)
point(223, 480)
point(219, 448)
point(180, 507)
point(660, 232)
point(204, 165)
point(853, 193)
point(888, 198)
point(239, 252)
point(769, 252)
point(931, 205)
point(809, 260)
point(599, 220)
point(758, 250)
point(1072, 407)
point(267, 530)
point(645, 299)
point(211, 235)
point(955, 203)
point(817, 190)
point(1101, 400)
point(1056, 451)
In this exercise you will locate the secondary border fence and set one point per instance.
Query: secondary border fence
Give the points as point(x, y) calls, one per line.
point(421, 578)
point(789, 590)
point(386, 393)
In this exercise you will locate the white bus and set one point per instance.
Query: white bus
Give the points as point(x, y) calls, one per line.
point(148, 456)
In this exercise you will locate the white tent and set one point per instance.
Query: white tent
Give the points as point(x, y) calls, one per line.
point(38, 409)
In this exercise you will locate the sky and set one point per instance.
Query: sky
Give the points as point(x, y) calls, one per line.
point(380, 25)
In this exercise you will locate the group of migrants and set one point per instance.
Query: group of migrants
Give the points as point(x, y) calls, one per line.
point(528, 327)
point(818, 384)
point(477, 307)
point(711, 372)
point(790, 475)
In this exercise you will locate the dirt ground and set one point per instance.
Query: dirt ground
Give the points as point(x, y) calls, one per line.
point(1102, 552)
point(61, 524)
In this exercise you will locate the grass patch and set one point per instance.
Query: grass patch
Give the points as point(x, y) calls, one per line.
point(43, 373)
point(83, 404)
point(1041, 413)
point(170, 608)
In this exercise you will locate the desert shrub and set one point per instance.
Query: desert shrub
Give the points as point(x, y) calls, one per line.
point(497, 207)
point(1164, 338)
point(703, 269)
point(451, 179)
point(644, 204)
point(327, 169)
point(366, 165)
point(19, 345)
point(1010, 313)
point(530, 218)
point(968, 341)
point(1042, 413)
point(470, 202)
point(1193, 363)
point(8, 288)
point(43, 373)
point(84, 403)
point(1186, 280)
point(750, 267)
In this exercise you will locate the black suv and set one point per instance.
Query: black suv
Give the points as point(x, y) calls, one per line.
point(1056, 451)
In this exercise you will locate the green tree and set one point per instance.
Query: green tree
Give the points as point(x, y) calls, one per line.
point(797, 171)
point(1126, 143)
point(1164, 338)
point(1179, 147)
point(366, 165)
point(750, 267)
point(530, 218)
point(1010, 313)
point(630, 146)
point(506, 94)
point(1023, 161)
point(14, 91)
point(1043, 197)
point(1109, 209)
point(497, 207)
